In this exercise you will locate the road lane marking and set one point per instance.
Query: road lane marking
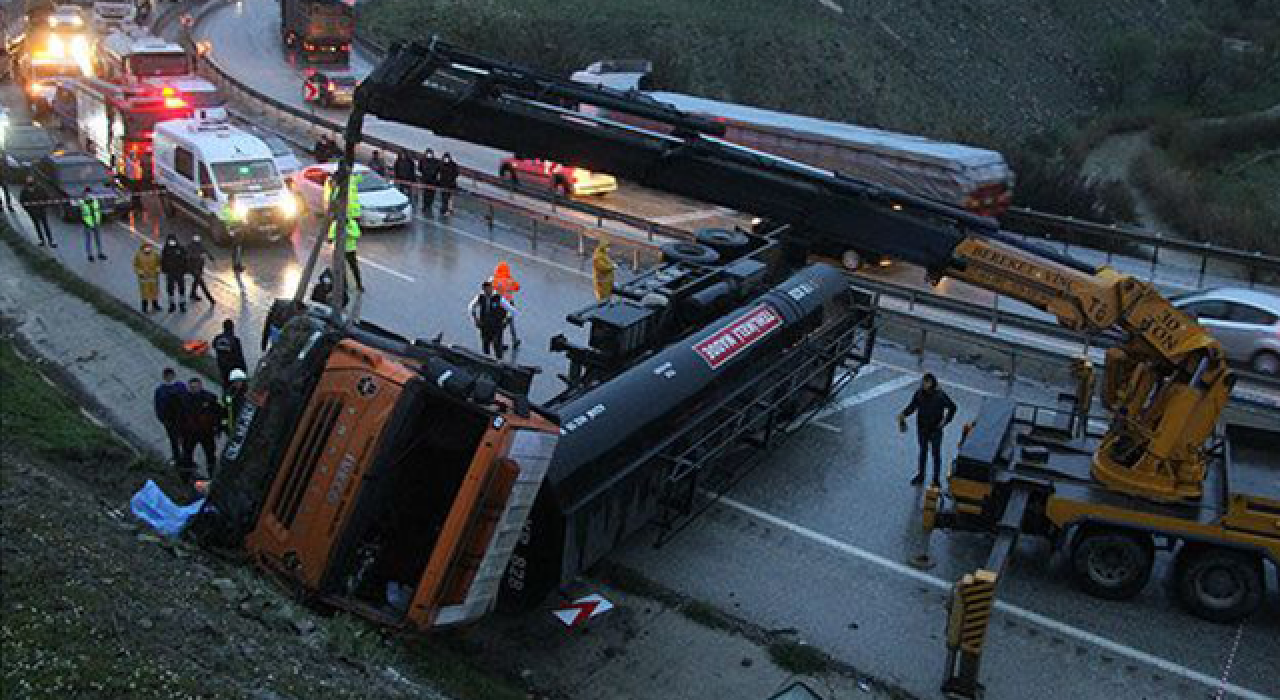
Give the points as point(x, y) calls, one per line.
point(506, 248)
point(671, 219)
point(379, 266)
point(1061, 628)
point(864, 396)
point(944, 382)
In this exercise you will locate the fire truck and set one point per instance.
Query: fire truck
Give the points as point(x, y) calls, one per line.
point(115, 123)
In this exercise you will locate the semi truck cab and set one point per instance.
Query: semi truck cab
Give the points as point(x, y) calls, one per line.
point(403, 488)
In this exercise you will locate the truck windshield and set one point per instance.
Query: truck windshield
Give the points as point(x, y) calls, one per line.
point(159, 64)
point(246, 176)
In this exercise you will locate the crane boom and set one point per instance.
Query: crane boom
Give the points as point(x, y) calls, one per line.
point(1166, 385)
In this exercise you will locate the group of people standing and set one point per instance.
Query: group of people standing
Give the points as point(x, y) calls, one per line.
point(427, 174)
point(36, 202)
point(176, 261)
point(193, 416)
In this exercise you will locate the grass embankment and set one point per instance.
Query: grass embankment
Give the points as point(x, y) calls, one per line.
point(95, 608)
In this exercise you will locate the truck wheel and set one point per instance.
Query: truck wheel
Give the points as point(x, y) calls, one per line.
point(728, 243)
point(1111, 563)
point(563, 190)
point(691, 253)
point(1217, 584)
point(509, 174)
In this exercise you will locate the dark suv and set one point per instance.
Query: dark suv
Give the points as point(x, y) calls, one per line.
point(65, 175)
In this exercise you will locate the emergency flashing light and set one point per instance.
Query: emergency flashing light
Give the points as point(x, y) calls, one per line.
point(168, 92)
point(174, 103)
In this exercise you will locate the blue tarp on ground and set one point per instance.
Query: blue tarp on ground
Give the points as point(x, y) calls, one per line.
point(153, 507)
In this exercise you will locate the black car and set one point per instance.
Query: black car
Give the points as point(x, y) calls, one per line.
point(21, 146)
point(329, 89)
point(66, 174)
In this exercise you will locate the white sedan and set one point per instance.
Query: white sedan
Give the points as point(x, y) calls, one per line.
point(381, 204)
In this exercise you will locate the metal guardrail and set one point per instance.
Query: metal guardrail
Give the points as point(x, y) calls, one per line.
point(1042, 328)
point(1124, 241)
point(655, 232)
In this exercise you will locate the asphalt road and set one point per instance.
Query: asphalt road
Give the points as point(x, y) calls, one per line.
point(815, 538)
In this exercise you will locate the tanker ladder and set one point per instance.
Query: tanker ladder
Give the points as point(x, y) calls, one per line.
point(973, 597)
point(758, 415)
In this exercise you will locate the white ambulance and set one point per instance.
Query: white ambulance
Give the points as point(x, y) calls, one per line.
point(223, 177)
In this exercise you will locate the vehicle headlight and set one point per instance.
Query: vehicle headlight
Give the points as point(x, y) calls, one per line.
point(239, 210)
point(288, 205)
point(56, 48)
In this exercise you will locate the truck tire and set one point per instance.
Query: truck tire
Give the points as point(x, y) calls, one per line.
point(1112, 563)
point(563, 190)
point(1218, 584)
point(690, 253)
point(509, 174)
point(726, 242)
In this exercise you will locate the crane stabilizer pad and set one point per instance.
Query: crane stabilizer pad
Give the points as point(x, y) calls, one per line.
point(972, 600)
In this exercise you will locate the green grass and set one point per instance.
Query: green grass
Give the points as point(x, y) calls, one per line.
point(37, 417)
point(102, 301)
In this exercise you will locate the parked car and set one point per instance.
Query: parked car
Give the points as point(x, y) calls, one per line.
point(381, 204)
point(281, 152)
point(329, 89)
point(1245, 321)
point(23, 145)
point(566, 181)
point(65, 175)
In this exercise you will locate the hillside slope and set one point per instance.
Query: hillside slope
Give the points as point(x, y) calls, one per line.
point(979, 69)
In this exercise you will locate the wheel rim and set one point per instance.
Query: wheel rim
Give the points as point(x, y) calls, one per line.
point(1219, 587)
point(1267, 363)
point(1113, 564)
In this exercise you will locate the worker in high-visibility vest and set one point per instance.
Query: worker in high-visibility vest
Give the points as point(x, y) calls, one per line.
point(91, 216)
point(352, 224)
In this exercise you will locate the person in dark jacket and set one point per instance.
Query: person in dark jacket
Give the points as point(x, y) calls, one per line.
point(227, 350)
point(428, 179)
point(170, 407)
point(934, 410)
point(36, 203)
point(378, 165)
point(173, 263)
point(491, 313)
point(327, 149)
point(322, 292)
point(448, 180)
point(196, 256)
point(201, 422)
point(405, 173)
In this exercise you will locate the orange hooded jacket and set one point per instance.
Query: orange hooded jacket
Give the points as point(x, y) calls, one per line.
point(503, 283)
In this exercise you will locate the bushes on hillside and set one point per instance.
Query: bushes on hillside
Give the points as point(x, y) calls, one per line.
point(1188, 204)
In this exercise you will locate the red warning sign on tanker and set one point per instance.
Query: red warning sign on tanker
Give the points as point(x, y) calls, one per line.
point(739, 335)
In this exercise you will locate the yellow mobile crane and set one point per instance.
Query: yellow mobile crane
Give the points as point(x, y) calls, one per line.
point(1155, 469)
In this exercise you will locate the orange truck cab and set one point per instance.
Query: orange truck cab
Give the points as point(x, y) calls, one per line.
point(386, 477)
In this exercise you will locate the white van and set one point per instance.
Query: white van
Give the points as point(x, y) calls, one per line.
point(205, 164)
